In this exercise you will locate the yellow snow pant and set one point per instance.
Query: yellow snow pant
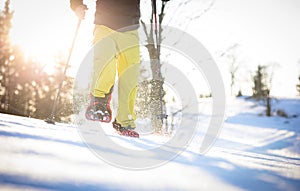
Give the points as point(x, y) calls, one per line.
point(117, 52)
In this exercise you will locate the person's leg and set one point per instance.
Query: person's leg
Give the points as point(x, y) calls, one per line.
point(103, 77)
point(104, 70)
point(128, 71)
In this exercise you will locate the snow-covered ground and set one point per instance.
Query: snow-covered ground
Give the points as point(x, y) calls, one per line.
point(253, 152)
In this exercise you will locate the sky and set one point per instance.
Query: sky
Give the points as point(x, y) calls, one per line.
point(267, 32)
point(45, 29)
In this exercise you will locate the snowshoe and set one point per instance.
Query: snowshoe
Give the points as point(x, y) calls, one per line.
point(99, 109)
point(125, 131)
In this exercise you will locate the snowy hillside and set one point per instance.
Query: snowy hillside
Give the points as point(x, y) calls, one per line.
point(253, 152)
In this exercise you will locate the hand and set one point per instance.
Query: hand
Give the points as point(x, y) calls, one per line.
point(80, 11)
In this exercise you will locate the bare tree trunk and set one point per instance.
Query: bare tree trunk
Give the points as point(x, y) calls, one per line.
point(153, 89)
point(155, 86)
point(268, 112)
point(151, 93)
point(298, 86)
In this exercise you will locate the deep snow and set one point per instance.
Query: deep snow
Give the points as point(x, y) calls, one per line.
point(253, 152)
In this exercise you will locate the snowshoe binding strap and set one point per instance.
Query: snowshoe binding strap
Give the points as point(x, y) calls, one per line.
point(130, 133)
point(125, 131)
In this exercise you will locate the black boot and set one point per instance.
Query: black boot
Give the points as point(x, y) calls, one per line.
point(125, 131)
point(99, 109)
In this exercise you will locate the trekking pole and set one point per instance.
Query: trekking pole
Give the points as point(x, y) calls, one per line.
point(50, 119)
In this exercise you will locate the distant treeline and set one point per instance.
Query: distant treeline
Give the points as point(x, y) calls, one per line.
point(26, 89)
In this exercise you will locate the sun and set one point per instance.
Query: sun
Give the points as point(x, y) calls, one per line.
point(42, 33)
point(47, 43)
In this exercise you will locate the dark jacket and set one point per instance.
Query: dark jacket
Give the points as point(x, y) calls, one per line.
point(114, 14)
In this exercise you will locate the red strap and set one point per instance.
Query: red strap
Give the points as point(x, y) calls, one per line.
point(130, 133)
